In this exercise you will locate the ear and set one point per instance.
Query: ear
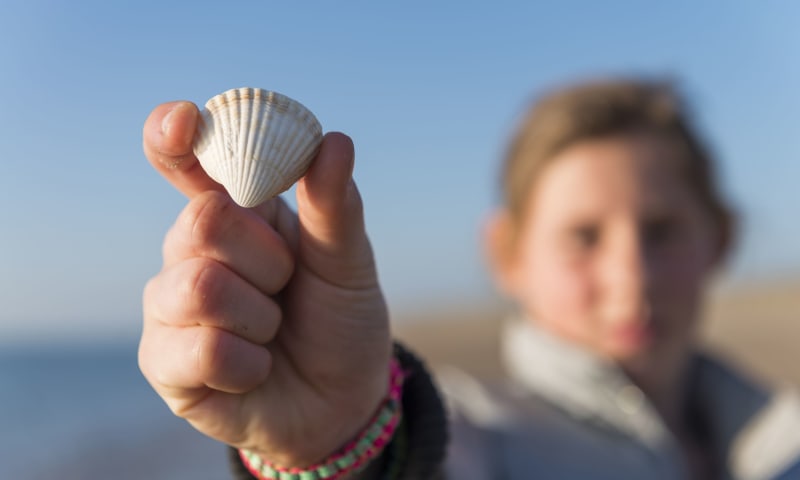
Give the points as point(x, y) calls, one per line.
point(499, 249)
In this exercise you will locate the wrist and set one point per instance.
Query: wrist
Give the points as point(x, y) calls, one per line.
point(352, 457)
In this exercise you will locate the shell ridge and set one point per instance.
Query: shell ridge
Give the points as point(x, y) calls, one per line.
point(296, 146)
point(229, 154)
point(214, 169)
point(219, 146)
point(254, 136)
point(251, 156)
point(245, 113)
point(293, 148)
point(265, 127)
point(202, 141)
point(307, 148)
point(246, 101)
point(278, 137)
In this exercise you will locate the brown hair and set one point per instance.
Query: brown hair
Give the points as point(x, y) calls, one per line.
point(602, 109)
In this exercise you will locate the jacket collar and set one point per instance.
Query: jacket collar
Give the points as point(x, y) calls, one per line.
point(585, 386)
point(753, 430)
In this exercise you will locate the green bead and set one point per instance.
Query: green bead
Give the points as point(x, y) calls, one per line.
point(347, 460)
point(384, 417)
point(362, 446)
point(268, 471)
point(327, 471)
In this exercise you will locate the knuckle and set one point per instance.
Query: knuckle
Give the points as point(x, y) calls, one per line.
point(178, 408)
point(143, 360)
point(171, 243)
point(210, 353)
point(274, 314)
point(152, 302)
point(285, 268)
point(203, 286)
point(153, 370)
point(181, 408)
point(207, 218)
point(148, 292)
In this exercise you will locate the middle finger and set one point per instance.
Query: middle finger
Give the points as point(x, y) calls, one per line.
point(202, 292)
point(212, 226)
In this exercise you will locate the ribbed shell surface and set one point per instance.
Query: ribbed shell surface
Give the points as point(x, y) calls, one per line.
point(256, 143)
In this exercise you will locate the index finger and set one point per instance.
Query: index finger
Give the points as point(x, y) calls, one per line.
point(167, 140)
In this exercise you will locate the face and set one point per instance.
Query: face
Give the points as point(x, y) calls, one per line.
point(613, 251)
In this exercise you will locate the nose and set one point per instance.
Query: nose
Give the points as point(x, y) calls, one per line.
point(625, 275)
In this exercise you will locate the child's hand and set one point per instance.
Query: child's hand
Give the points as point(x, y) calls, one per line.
point(266, 329)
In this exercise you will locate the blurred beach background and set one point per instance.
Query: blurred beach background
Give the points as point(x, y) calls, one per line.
point(430, 95)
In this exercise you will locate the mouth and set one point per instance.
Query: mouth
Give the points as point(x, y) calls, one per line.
point(633, 336)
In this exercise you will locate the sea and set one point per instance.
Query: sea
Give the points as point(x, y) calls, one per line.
point(87, 413)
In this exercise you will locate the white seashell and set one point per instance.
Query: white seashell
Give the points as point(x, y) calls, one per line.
point(256, 143)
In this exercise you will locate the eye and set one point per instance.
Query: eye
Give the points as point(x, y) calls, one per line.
point(659, 231)
point(585, 236)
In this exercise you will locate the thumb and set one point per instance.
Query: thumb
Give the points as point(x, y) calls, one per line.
point(333, 239)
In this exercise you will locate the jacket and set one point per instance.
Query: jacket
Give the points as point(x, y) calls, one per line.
point(565, 414)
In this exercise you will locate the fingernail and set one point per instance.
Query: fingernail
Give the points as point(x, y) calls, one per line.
point(166, 122)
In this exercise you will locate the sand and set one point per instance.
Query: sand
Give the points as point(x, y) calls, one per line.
point(756, 327)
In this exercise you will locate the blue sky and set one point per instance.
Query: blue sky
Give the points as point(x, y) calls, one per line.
point(428, 90)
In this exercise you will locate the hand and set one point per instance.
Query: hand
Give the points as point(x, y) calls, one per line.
point(265, 329)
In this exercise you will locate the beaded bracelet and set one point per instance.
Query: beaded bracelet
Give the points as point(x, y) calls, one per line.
point(355, 455)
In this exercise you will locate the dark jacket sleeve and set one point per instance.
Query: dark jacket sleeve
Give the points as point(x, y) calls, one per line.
point(418, 449)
